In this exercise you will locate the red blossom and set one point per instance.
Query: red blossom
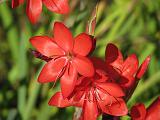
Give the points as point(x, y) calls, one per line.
point(125, 72)
point(34, 7)
point(67, 57)
point(139, 112)
point(153, 111)
point(96, 95)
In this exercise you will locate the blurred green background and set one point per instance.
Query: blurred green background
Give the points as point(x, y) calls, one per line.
point(133, 25)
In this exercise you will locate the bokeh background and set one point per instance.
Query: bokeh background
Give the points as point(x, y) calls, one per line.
point(133, 25)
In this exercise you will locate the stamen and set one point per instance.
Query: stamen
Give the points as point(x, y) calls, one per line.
point(104, 90)
point(89, 97)
point(110, 96)
point(55, 57)
point(60, 73)
point(98, 97)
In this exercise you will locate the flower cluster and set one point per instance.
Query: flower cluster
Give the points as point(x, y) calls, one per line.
point(95, 85)
point(96, 95)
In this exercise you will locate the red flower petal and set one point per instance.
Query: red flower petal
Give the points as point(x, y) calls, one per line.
point(113, 72)
point(153, 112)
point(82, 44)
point(34, 9)
point(58, 6)
point(98, 63)
point(138, 112)
point(100, 76)
point(62, 36)
point(46, 46)
point(78, 99)
point(143, 67)
point(112, 89)
point(68, 80)
point(130, 65)
point(58, 101)
point(90, 111)
point(80, 79)
point(84, 66)
point(104, 99)
point(16, 3)
point(116, 108)
point(113, 56)
point(82, 83)
point(127, 82)
point(52, 70)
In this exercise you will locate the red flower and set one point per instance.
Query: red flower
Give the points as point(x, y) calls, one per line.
point(34, 7)
point(153, 112)
point(125, 72)
point(95, 95)
point(68, 57)
point(139, 112)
